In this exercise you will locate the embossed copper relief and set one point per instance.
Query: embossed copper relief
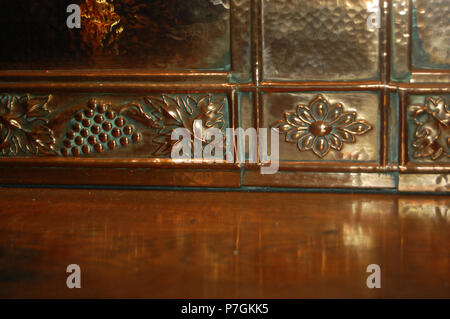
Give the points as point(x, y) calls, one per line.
point(432, 129)
point(327, 126)
point(104, 126)
point(358, 105)
point(179, 112)
point(24, 125)
point(320, 127)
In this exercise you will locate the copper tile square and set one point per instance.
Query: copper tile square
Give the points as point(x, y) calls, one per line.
point(342, 141)
point(428, 128)
point(431, 34)
point(319, 40)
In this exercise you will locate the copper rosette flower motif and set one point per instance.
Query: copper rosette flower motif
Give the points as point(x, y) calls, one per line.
point(432, 131)
point(320, 127)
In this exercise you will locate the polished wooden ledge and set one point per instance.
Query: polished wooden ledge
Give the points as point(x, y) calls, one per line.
point(186, 244)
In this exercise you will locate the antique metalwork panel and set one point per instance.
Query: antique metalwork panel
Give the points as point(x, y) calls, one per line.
point(319, 40)
point(431, 35)
point(326, 126)
point(420, 40)
point(117, 34)
point(358, 91)
point(428, 129)
point(105, 125)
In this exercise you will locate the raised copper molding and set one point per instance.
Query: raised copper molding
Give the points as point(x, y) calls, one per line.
point(336, 167)
point(112, 162)
point(134, 87)
point(114, 75)
point(319, 180)
point(115, 87)
point(173, 177)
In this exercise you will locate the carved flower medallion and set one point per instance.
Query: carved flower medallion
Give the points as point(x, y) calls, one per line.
point(320, 126)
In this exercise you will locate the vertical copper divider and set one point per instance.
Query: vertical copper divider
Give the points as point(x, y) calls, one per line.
point(410, 31)
point(384, 50)
point(402, 146)
point(235, 121)
point(257, 65)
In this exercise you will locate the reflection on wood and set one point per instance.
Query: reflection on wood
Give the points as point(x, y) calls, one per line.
point(216, 244)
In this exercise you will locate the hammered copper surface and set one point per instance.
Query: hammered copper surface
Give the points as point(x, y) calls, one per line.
point(400, 38)
point(420, 34)
point(319, 40)
point(431, 35)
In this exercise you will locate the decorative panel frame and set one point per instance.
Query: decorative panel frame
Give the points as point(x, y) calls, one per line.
point(239, 50)
point(245, 87)
point(405, 42)
point(129, 168)
point(423, 158)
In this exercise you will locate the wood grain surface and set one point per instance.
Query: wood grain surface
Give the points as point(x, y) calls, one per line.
point(186, 244)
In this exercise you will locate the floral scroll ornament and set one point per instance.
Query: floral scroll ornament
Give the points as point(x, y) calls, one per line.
point(320, 127)
point(432, 133)
point(170, 113)
point(101, 126)
point(23, 125)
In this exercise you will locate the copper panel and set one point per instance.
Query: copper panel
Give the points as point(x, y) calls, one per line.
point(324, 126)
point(400, 38)
point(240, 39)
point(247, 116)
point(125, 176)
point(162, 34)
point(424, 183)
point(420, 37)
point(429, 129)
point(106, 125)
point(355, 103)
point(319, 180)
point(431, 34)
point(319, 40)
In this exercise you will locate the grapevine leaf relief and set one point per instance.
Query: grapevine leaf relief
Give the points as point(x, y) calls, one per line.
point(101, 126)
point(23, 126)
point(321, 126)
point(432, 130)
point(170, 113)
